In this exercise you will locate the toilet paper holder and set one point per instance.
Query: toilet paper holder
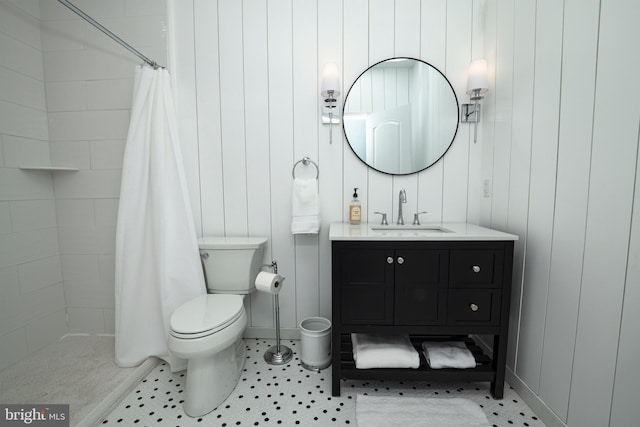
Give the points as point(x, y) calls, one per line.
point(278, 354)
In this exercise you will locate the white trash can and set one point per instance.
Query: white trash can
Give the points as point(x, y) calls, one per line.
point(315, 340)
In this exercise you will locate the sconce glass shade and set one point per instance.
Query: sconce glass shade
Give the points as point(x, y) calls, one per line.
point(477, 79)
point(330, 80)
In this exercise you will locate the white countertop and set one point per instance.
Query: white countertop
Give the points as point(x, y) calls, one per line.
point(440, 231)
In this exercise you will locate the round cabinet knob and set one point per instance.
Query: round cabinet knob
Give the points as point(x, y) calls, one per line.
point(389, 260)
point(473, 307)
point(400, 260)
point(476, 268)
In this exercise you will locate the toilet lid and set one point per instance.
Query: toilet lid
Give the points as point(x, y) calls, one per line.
point(206, 314)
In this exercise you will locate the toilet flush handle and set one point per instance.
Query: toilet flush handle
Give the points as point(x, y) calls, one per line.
point(204, 255)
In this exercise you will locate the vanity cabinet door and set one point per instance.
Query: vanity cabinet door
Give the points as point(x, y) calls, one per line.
point(366, 286)
point(420, 286)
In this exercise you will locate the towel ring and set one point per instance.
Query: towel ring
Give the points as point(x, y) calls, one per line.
point(305, 161)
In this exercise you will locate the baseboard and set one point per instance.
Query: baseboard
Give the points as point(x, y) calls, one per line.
point(109, 402)
point(548, 417)
point(270, 333)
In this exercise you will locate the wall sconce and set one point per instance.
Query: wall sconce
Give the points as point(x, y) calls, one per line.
point(477, 83)
point(330, 90)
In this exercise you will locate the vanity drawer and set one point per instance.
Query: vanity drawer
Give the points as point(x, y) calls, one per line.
point(473, 307)
point(469, 268)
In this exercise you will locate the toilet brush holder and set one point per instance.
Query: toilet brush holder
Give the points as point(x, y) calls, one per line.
point(278, 354)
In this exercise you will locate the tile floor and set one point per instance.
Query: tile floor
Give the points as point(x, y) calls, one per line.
point(289, 395)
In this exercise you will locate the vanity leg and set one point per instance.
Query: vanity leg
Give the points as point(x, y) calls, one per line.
point(499, 362)
point(335, 365)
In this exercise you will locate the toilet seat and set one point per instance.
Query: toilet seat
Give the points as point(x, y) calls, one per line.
point(205, 315)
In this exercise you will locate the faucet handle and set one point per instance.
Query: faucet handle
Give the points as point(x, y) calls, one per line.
point(416, 217)
point(384, 218)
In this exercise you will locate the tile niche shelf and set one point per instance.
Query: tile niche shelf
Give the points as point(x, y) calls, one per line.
point(49, 168)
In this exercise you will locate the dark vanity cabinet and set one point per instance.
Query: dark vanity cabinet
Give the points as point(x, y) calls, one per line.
point(447, 290)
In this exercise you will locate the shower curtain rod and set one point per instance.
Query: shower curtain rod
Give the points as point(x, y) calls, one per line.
point(117, 39)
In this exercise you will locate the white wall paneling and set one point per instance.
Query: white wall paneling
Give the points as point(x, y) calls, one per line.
point(611, 190)
point(572, 192)
point(563, 65)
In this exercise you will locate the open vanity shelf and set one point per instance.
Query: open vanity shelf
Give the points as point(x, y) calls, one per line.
point(430, 286)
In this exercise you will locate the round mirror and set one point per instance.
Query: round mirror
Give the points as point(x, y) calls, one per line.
point(400, 116)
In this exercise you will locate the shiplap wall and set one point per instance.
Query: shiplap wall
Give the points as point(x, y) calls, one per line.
point(248, 93)
point(564, 165)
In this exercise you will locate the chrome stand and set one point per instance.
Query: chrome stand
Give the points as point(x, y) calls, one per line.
point(277, 354)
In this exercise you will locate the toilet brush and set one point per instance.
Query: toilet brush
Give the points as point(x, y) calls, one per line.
point(277, 354)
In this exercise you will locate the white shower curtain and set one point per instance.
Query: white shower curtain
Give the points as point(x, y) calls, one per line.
point(157, 260)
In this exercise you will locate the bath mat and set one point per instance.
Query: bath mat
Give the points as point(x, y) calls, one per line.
point(390, 411)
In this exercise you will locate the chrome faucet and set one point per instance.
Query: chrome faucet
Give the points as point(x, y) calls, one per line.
point(402, 198)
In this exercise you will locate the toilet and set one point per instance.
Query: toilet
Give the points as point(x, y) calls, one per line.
point(207, 330)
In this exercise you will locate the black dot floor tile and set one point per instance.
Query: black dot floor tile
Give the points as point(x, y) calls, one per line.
point(290, 395)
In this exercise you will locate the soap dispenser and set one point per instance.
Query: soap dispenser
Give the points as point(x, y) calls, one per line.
point(355, 209)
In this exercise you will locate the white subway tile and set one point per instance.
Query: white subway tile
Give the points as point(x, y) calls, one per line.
point(73, 65)
point(52, 10)
point(107, 154)
point(87, 240)
point(75, 212)
point(71, 154)
point(85, 320)
point(106, 212)
point(21, 57)
point(13, 348)
point(32, 215)
point(109, 321)
point(40, 274)
point(23, 121)
point(145, 7)
point(63, 35)
point(10, 317)
point(32, 7)
point(5, 217)
point(107, 270)
point(86, 295)
point(88, 125)
point(23, 185)
point(81, 268)
point(109, 94)
point(42, 302)
point(24, 151)
point(88, 184)
point(66, 96)
point(18, 248)
point(23, 90)
point(20, 24)
point(46, 330)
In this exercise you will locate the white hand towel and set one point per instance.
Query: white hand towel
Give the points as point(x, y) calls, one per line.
point(382, 351)
point(305, 218)
point(448, 354)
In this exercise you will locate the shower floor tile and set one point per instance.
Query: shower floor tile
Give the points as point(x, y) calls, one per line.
point(290, 395)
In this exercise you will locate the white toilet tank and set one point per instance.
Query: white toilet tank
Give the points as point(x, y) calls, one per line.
point(231, 264)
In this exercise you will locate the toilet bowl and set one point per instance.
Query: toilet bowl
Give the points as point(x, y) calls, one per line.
point(207, 330)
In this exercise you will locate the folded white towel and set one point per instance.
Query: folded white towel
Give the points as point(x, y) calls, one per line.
point(305, 218)
point(404, 411)
point(381, 351)
point(448, 354)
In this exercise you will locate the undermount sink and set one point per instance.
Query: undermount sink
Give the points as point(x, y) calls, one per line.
point(426, 227)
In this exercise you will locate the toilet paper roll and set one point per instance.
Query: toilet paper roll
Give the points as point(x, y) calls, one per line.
point(269, 282)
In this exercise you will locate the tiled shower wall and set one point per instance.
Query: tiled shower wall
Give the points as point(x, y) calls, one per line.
point(89, 79)
point(32, 305)
point(65, 95)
